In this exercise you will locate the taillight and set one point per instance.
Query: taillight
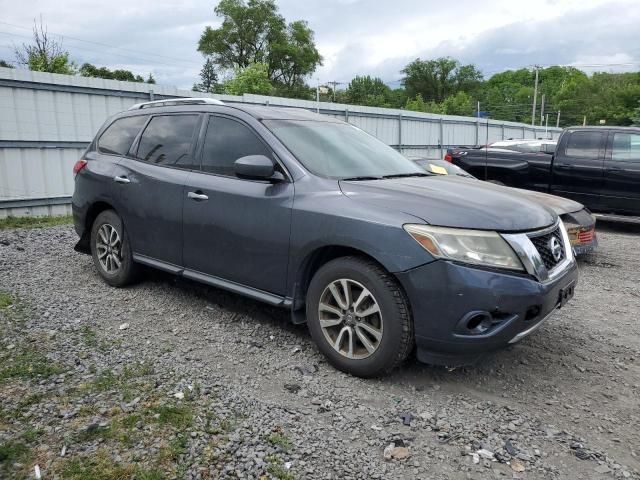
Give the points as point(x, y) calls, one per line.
point(448, 158)
point(80, 164)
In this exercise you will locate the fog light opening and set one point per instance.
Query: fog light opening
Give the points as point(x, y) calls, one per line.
point(479, 323)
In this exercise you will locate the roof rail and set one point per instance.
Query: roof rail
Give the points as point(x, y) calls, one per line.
point(177, 101)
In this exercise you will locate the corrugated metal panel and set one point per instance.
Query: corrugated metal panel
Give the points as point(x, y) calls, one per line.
point(52, 111)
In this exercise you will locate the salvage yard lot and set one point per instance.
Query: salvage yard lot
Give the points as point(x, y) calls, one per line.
point(171, 379)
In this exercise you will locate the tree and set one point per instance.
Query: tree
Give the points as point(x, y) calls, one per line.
point(45, 54)
point(5, 64)
point(417, 104)
point(437, 79)
point(251, 79)
point(208, 78)
point(458, 104)
point(369, 91)
point(253, 32)
point(89, 70)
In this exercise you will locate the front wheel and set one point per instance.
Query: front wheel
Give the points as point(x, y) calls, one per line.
point(359, 317)
point(111, 251)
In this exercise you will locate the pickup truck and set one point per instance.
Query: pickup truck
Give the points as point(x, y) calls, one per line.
point(596, 166)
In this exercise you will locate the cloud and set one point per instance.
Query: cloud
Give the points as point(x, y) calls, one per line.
point(354, 36)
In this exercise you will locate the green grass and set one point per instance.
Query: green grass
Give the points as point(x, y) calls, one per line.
point(89, 336)
point(101, 467)
point(177, 417)
point(5, 300)
point(34, 222)
point(11, 452)
point(28, 363)
point(279, 440)
point(275, 468)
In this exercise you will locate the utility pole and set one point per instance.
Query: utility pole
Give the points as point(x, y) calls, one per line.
point(535, 97)
point(334, 84)
point(558, 120)
point(542, 110)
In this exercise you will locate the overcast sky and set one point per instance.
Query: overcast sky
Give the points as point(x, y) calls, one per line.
point(375, 37)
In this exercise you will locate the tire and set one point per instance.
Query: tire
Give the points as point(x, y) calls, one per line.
point(389, 331)
point(119, 270)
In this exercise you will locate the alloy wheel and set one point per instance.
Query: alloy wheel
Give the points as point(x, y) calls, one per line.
point(350, 318)
point(109, 248)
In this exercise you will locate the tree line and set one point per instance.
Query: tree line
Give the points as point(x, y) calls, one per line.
point(256, 50)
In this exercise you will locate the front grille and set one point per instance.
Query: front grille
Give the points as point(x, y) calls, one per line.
point(543, 244)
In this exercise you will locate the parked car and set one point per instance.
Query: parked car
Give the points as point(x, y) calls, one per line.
point(309, 213)
point(580, 223)
point(596, 166)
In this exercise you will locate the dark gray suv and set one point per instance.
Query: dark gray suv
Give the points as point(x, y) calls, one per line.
point(312, 214)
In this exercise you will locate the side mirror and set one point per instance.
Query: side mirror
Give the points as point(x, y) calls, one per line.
point(256, 167)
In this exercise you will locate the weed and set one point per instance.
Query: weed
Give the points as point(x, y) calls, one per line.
point(34, 222)
point(33, 434)
point(278, 439)
point(28, 363)
point(89, 336)
point(101, 467)
point(275, 468)
point(177, 417)
point(11, 452)
point(5, 300)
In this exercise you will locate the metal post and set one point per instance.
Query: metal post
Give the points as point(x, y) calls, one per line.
point(502, 125)
point(346, 115)
point(441, 139)
point(584, 121)
point(400, 132)
point(535, 97)
point(151, 95)
point(558, 120)
point(318, 96)
point(542, 111)
point(478, 110)
point(477, 132)
point(524, 135)
point(546, 126)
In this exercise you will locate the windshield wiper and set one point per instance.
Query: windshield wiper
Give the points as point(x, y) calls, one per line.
point(364, 177)
point(402, 175)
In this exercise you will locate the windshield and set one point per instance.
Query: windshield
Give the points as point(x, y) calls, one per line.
point(340, 150)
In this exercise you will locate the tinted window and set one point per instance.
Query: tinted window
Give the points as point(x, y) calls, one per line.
point(119, 136)
point(626, 146)
point(226, 141)
point(584, 145)
point(167, 140)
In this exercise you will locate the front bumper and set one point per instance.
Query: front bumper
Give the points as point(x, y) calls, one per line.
point(447, 298)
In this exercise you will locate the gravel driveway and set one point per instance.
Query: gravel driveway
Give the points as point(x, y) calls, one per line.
point(171, 379)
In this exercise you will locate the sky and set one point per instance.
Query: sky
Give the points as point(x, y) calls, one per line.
point(355, 37)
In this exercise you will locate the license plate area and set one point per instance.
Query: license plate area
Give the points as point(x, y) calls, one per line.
point(565, 294)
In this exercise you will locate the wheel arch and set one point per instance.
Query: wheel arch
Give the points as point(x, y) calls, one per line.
point(96, 208)
point(310, 264)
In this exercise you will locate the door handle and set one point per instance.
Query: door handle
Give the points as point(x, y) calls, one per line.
point(564, 166)
point(197, 196)
point(121, 180)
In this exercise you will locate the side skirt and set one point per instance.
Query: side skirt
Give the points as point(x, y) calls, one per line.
point(218, 282)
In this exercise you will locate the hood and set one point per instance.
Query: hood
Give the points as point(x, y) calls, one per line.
point(451, 201)
point(558, 204)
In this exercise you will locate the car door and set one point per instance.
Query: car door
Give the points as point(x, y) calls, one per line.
point(621, 192)
point(235, 229)
point(150, 184)
point(577, 171)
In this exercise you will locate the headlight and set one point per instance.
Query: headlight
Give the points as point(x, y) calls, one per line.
point(469, 246)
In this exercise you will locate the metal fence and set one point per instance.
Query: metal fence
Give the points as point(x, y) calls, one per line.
point(46, 120)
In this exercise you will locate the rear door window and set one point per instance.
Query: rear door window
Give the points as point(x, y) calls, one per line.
point(225, 142)
point(118, 137)
point(584, 145)
point(626, 147)
point(167, 140)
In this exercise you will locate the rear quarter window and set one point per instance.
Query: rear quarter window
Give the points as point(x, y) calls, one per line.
point(118, 137)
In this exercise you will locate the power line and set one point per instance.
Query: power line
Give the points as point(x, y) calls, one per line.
point(100, 44)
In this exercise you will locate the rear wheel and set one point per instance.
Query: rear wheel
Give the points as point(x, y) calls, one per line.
point(359, 317)
point(111, 251)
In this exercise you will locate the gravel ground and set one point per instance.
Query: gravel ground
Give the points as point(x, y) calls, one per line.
point(171, 379)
